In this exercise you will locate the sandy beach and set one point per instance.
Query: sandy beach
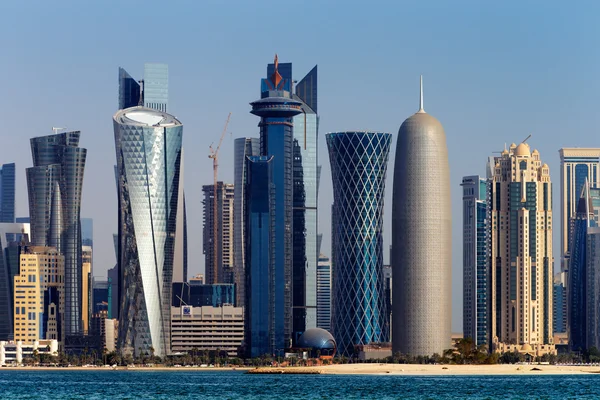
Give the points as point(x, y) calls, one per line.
point(371, 369)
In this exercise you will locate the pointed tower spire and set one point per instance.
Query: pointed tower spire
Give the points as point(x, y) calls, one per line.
point(276, 77)
point(421, 110)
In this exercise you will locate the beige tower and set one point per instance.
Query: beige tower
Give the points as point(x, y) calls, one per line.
point(41, 269)
point(86, 280)
point(521, 252)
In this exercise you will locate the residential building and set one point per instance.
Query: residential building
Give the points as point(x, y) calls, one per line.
point(421, 238)
point(358, 168)
point(39, 300)
point(576, 165)
point(13, 352)
point(276, 108)
point(9, 268)
point(207, 328)
point(54, 184)
point(217, 237)
point(324, 293)
point(521, 267)
point(243, 147)
point(475, 259)
point(148, 150)
point(263, 291)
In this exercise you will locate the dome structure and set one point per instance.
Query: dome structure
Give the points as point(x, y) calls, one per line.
point(522, 150)
point(317, 339)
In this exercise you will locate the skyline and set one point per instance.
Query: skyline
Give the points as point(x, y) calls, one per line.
point(486, 89)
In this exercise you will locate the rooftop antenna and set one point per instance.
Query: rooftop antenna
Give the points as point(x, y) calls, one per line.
point(421, 110)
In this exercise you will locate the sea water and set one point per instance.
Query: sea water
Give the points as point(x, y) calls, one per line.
point(94, 384)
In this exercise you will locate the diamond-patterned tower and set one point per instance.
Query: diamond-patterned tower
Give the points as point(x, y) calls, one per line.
point(358, 168)
point(148, 146)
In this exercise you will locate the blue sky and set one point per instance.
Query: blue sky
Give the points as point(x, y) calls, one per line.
point(494, 72)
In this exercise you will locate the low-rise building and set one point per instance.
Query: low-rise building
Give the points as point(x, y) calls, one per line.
point(207, 328)
point(14, 352)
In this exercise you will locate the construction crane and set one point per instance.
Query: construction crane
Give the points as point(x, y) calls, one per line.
point(214, 154)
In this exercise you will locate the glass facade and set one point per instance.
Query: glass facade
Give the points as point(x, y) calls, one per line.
point(358, 166)
point(214, 295)
point(324, 293)
point(578, 275)
point(148, 150)
point(54, 185)
point(261, 296)
point(156, 86)
point(129, 90)
point(7, 193)
point(475, 256)
point(243, 147)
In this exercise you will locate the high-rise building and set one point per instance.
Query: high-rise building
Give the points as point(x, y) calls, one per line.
point(219, 266)
point(305, 251)
point(576, 165)
point(521, 268)
point(148, 150)
point(100, 296)
point(475, 259)
point(153, 92)
point(7, 193)
point(358, 169)
point(559, 303)
point(262, 289)
point(421, 238)
point(113, 292)
point(54, 184)
point(276, 108)
point(87, 232)
point(324, 293)
point(305, 200)
point(87, 293)
point(214, 295)
point(9, 268)
point(592, 288)
point(243, 147)
point(38, 292)
point(578, 274)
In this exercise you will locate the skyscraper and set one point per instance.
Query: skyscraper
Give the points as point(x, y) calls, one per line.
point(520, 194)
point(324, 293)
point(276, 108)
point(262, 287)
point(153, 92)
point(592, 288)
point(576, 165)
point(54, 184)
point(7, 193)
point(358, 169)
point(243, 147)
point(475, 259)
point(224, 239)
point(305, 194)
point(148, 150)
point(578, 273)
point(421, 238)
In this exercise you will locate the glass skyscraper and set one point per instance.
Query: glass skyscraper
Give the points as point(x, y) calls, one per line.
point(578, 275)
point(358, 168)
point(324, 293)
point(54, 184)
point(277, 108)
point(156, 86)
point(243, 147)
point(475, 259)
point(148, 150)
point(262, 285)
point(7, 193)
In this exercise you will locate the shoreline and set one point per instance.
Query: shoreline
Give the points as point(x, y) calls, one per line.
point(360, 369)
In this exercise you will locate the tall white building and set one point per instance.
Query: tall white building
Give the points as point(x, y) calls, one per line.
point(521, 252)
point(576, 165)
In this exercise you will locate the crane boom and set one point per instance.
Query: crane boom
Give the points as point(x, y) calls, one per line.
point(214, 154)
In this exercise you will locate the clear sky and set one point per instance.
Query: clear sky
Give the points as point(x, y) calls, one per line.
point(494, 72)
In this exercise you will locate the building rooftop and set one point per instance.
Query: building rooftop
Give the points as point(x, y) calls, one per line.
point(142, 116)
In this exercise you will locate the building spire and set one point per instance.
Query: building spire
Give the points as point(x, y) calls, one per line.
point(421, 110)
point(276, 78)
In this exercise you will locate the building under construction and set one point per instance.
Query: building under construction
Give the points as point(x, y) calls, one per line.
point(223, 273)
